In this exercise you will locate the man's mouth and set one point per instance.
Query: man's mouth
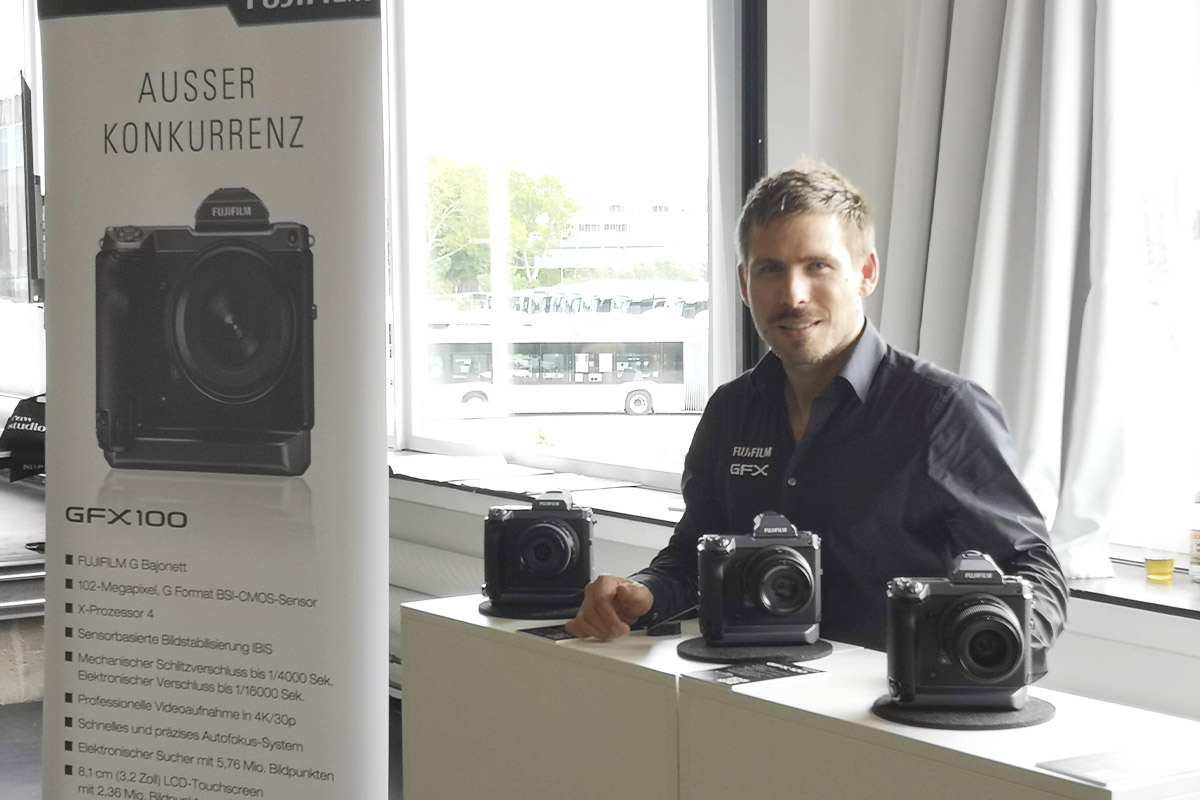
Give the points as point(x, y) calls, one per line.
point(796, 324)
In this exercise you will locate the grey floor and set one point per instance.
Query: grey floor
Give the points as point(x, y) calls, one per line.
point(21, 752)
point(22, 516)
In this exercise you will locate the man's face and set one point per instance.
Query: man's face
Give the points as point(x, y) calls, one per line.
point(804, 288)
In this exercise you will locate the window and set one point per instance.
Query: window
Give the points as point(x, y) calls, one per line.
point(549, 315)
point(1158, 178)
point(23, 368)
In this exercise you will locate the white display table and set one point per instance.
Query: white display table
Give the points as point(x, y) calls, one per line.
point(497, 714)
point(494, 714)
point(814, 736)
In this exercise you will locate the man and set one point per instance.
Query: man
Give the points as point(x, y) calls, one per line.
point(897, 464)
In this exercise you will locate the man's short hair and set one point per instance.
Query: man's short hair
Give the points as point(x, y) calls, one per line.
point(809, 187)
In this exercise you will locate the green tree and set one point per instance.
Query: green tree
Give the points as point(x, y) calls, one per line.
point(457, 205)
point(457, 209)
point(541, 210)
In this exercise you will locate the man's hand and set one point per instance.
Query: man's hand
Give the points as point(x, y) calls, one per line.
point(610, 606)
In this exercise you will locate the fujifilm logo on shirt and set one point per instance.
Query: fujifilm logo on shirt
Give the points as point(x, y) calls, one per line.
point(232, 211)
point(741, 451)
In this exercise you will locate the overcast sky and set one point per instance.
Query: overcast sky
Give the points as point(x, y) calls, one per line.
point(609, 96)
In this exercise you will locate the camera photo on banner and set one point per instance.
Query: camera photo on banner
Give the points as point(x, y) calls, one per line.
point(204, 342)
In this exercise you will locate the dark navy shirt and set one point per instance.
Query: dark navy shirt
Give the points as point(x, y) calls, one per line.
point(903, 466)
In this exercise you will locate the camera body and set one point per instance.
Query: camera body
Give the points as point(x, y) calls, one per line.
point(764, 588)
point(204, 342)
point(963, 641)
point(540, 555)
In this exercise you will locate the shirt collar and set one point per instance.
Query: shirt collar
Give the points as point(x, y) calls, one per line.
point(869, 351)
point(860, 369)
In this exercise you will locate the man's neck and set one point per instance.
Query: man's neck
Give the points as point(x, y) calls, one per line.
point(805, 382)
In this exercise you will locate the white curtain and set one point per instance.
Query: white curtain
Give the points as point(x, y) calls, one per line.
point(1017, 247)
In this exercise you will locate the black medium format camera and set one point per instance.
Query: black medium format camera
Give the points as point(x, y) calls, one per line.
point(204, 342)
point(764, 588)
point(964, 641)
point(540, 555)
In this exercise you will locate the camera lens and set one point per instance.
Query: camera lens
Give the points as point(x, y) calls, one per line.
point(984, 637)
point(988, 649)
point(548, 547)
point(231, 325)
point(780, 580)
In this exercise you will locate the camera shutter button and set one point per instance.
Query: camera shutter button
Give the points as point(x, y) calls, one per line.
point(127, 233)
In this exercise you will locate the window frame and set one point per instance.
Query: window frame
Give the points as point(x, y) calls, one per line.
point(406, 246)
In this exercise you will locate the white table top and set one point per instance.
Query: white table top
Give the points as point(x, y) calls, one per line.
point(635, 653)
point(839, 700)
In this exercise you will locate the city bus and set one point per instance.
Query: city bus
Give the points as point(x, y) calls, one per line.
point(568, 363)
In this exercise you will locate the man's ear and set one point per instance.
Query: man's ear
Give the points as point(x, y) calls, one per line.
point(870, 274)
point(742, 285)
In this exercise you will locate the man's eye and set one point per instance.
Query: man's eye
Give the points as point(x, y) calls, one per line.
point(817, 266)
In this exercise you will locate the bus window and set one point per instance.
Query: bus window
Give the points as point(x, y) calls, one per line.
point(556, 363)
point(458, 363)
point(524, 359)
point(672, 362)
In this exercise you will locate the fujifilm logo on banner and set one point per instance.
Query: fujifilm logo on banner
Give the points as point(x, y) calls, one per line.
point(246, 12)
point(273, 4)
point(232, 211)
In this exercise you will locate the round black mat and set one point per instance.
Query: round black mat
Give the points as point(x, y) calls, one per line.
point(1034, 712)
point(526, 611)
point(697, 649)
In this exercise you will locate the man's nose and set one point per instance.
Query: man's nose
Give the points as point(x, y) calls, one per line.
point(798, 287)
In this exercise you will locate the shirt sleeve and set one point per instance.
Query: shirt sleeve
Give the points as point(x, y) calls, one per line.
point(673, 575)
point(971, 461)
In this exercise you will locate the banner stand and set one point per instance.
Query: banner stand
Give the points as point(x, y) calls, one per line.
point(216, 607)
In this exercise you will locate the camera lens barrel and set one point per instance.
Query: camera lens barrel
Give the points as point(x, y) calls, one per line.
point(780, 580)
point(983, 636)
point(232, 325)
point(548, 547)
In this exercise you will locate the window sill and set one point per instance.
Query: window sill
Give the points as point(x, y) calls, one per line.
point(1130, 588)
point(493, 476)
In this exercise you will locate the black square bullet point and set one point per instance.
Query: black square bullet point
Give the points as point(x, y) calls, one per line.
point(70, 583)
point(70, 559)
point(67, 745)
point(67, 722)
point(70, 633)
point(70, 608)
point(70, 656)
point(67, 768)
point(68, 697)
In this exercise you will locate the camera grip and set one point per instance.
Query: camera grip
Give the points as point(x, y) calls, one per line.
point(493, 567)
point(902, 648)
point(115, 335)
point(712, 594)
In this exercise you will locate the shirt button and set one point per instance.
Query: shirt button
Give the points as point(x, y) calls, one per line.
point(791, 481)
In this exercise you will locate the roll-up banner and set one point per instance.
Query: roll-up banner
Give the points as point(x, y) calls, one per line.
point(216, 614)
